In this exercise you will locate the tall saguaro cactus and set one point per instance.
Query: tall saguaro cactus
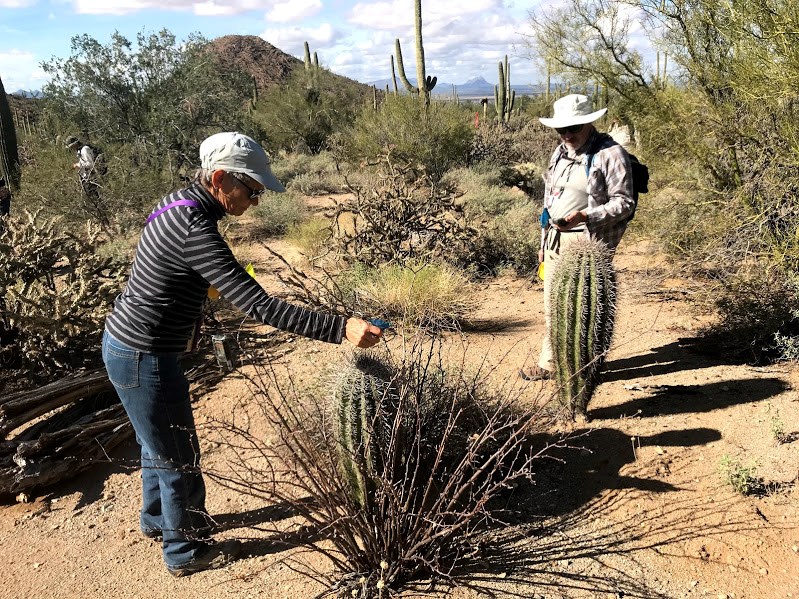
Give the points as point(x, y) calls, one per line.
point(362, 397)
point(504, 96)
point(9, 153)
point(582, 315)
point(424, 84)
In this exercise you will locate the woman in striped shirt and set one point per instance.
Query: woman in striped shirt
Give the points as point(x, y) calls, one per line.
point(180, 254)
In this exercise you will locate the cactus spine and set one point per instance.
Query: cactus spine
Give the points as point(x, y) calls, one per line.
point(425, 84)
point(504, 96)
point(361, 399)
point(9, 153)
point(582, 314)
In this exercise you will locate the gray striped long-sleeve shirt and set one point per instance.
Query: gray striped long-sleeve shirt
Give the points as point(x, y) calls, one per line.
point(180, 253)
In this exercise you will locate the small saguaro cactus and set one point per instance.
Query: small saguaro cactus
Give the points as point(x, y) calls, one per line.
point(504, 96)
point(582, 315)
point(9, 153)
point(362, 400)
point(424, 84)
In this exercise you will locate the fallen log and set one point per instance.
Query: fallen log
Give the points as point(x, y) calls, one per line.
point(21, 408)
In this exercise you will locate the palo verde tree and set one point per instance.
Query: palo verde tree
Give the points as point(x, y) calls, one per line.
point(585, 41)
point(154, 94)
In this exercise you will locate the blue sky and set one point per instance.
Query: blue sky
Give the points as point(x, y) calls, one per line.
point(462, 38)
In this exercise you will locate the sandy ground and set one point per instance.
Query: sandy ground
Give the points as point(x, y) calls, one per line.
point(639, 511)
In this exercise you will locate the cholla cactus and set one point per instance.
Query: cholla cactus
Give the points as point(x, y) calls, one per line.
point(362, 400)
point(582, 314)
point(55, 291)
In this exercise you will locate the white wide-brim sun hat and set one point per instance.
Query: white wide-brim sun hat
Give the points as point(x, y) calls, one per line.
point(238, 153)
point(574, 109)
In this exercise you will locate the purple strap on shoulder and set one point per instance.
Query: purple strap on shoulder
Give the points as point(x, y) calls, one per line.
point(181, 202)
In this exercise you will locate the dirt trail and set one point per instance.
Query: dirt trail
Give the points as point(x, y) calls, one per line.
point(640, 511)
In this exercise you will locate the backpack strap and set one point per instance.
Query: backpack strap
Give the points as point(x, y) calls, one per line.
point(180, 202)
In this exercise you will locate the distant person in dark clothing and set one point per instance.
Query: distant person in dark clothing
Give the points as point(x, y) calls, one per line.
point(180, 254)
point(5, 198)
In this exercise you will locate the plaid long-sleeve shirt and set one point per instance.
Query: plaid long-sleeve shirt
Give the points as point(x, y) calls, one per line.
point(610, 187)
point(180, 253)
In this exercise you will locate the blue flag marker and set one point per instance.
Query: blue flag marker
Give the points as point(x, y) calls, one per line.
point(380, 323)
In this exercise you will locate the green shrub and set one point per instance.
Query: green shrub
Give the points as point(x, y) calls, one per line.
point(513, 238)
point(743, 479)
point(309, 174)
point(311, 237)
point(432, 140)
point(276, 213)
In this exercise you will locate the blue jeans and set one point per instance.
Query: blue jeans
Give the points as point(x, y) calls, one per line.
point(155, 394)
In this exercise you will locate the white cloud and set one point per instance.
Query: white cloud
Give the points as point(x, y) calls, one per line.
point(21, 70)
point(293, 10)
point(291, 39)
point(206, 8)
point(17, 3)
point(398, 14)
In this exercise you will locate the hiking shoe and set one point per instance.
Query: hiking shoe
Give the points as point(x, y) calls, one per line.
point(535, 373)
point(154, 534)
point(212, 556)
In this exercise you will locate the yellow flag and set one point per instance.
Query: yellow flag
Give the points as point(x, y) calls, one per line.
point(213, 292)
point(541, 271)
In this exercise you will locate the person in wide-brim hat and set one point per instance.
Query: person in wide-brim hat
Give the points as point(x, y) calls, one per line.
point(588, 194)
point(574, 109)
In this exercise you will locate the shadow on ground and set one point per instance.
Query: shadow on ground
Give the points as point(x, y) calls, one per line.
point(686, 399)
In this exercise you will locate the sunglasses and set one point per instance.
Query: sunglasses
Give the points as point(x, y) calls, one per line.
point(571, 129)
point(254, 193)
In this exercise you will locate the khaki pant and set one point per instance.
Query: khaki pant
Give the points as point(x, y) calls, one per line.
point(556, 241)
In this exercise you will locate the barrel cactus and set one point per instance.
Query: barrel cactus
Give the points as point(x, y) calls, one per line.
point(582, 314)
point(363, 398)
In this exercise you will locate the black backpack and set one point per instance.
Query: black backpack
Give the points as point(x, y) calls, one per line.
point(100, 166)
point(640, 177)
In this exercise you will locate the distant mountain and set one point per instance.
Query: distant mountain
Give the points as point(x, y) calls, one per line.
point(265, 63)
point(476, 87)
point(30, 93)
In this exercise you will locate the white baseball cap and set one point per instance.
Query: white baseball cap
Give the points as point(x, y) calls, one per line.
point(574, 109)
point(238, 153)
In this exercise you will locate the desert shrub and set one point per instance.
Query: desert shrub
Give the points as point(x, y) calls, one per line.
point(443, 451)
point(127, 193)
point(396, 217)
point(512, 239)
point(276, 213)
point(480, 190)
point(433, 297)
point(757, 313)
point(431, 140)
point(312, 237)
point(309, 174)
point(55, 291)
